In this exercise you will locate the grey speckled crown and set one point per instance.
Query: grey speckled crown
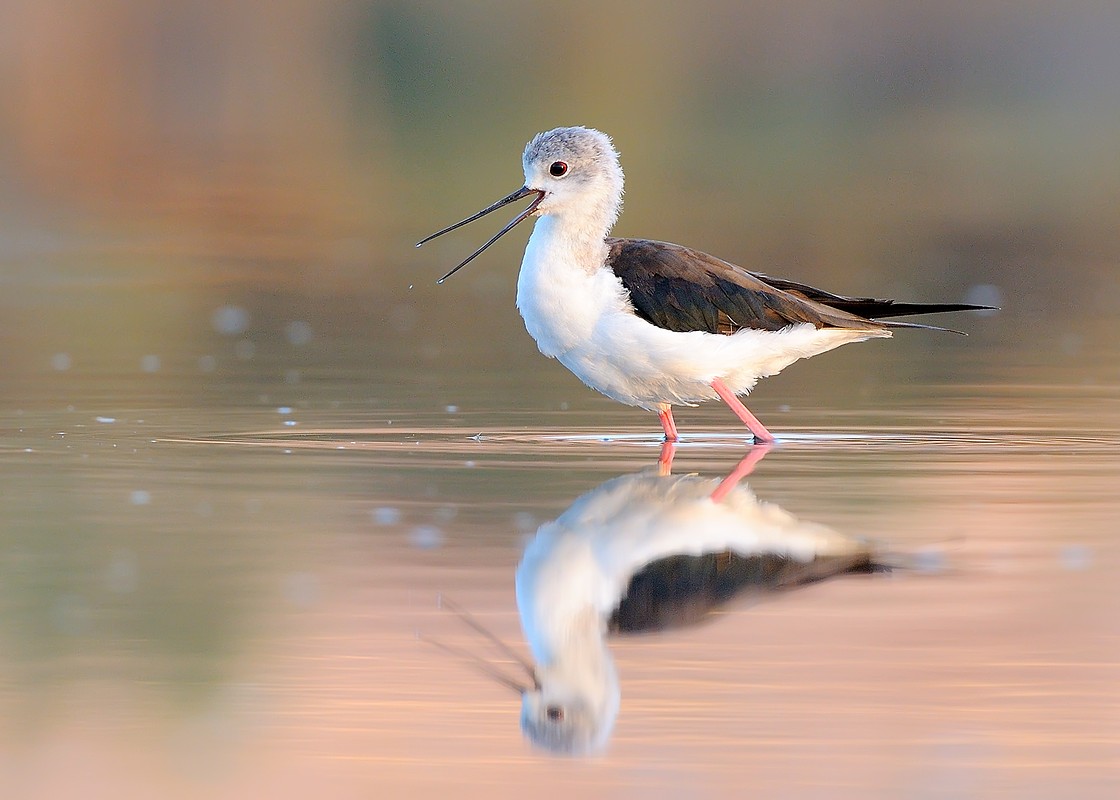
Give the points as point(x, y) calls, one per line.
point(574, 145)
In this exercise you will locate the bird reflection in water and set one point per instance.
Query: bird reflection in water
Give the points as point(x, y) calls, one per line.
point(641, 553)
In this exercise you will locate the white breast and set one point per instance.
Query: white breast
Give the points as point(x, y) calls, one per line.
point(579, 312)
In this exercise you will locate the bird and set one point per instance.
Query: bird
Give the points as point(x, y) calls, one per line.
point(648, 552)
point(653, 324)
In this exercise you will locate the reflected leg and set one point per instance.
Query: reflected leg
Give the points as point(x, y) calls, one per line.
point(742, 470)
point(665, 460)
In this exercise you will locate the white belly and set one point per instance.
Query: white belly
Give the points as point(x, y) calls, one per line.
point(585, 320)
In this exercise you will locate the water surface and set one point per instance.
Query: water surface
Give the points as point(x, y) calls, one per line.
point(221, 597)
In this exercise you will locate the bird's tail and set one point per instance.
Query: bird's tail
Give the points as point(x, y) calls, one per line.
point(920, 326)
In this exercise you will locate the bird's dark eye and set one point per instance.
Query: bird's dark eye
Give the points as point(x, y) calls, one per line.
point(558, 169)
point(555, 713)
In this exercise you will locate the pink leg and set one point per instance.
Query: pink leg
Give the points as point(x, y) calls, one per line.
point(750, 420)
point(665, 460)
point(668, 425)
point(742, 470)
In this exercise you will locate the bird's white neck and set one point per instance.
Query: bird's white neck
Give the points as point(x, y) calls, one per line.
point(569, 241)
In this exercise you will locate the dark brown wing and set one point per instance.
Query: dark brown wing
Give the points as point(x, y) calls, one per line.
point(682, 289)
point(679, 591)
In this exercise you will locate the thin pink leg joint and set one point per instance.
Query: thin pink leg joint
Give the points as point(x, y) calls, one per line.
point(668, 425)
point(757, 429)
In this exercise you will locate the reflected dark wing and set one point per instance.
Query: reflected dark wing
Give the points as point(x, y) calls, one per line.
point(683, 590)
point(681, 289)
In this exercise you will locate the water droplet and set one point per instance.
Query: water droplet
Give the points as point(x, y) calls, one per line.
point(299, 333)
point(386, 515)
point(61, 361)
point(150, 363)
point(106, 420)
point(291, 423)
point(284, 410)
point(230, 320)
point(426, 537)
point(139, 497)
point(451, 409)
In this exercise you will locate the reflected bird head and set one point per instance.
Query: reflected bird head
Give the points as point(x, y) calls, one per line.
point(561, 718)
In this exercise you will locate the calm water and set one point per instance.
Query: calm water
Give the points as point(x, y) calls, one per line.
point(213, 571)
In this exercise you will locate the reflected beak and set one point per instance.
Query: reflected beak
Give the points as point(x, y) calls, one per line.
point(480, 663)
point(524, 191)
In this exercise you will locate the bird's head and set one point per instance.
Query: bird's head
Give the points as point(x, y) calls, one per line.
point(569, 171)
point(576, 170)
point(562, 717)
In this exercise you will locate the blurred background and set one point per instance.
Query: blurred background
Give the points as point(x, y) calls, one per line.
point(207, 219)
point(163, 161)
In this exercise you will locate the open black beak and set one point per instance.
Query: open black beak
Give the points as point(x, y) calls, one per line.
point(524, 191)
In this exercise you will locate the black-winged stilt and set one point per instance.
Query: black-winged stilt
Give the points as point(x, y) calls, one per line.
point(653, 324)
